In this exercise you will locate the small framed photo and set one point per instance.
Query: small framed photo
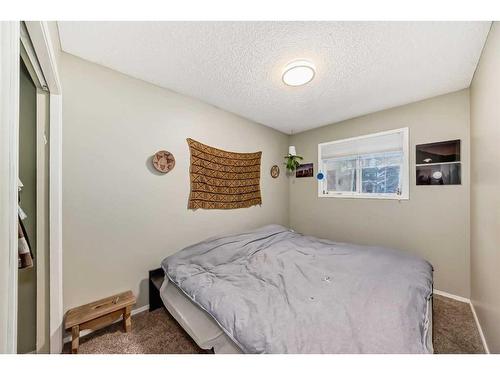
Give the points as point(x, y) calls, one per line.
point(438, 152)
point(438, 163)
point(439, 174)
point(305, 170)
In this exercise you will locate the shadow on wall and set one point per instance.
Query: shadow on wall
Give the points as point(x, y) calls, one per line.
point(143, 296)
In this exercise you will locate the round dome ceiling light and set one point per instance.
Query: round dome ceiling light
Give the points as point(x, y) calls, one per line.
point(298, 73)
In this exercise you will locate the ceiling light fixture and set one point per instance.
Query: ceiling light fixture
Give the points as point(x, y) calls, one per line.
point(298, 73)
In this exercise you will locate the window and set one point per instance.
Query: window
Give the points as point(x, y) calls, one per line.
point(370, 166)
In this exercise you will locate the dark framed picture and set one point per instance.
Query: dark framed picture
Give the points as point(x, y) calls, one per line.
point(305, 170)
point(439, 174)
point(438, 163)
point(438, 152)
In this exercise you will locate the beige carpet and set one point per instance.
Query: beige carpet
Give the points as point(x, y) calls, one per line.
point(153, 332)
point(157, 332)
point(455, 330)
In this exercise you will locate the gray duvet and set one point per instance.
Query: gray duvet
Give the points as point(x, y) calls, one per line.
point(276, 291)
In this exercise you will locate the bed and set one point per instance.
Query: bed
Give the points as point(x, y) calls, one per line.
point(272, 290)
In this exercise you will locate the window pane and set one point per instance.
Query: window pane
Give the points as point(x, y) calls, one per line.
point(341, 174)
point(380, 173)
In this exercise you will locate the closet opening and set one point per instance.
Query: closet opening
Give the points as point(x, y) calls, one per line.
point(33, 186)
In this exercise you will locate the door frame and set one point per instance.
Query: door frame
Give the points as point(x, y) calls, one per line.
point(39, 33)
point(28, 56)
point(9, 170)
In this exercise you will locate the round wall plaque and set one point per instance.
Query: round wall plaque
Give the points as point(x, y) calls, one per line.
point(163, 161)
point(275, 171)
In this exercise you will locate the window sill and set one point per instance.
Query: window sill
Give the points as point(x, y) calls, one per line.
point(365, 196)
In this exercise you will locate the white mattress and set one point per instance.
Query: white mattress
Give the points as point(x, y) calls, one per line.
point(206, 332)
point(202, 328)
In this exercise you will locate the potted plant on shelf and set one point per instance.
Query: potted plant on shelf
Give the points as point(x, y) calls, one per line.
point(292, 160)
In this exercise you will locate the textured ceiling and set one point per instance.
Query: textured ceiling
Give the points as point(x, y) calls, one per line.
point(361, 67)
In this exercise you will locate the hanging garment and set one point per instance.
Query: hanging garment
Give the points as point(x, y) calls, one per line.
point(23, 247)
point(25, 256)
point(21, 213)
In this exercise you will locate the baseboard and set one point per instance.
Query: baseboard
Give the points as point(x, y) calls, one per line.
point(467, 300)
point(483, 339)
point(452, 296)
point(139, 310)
point(67, 337)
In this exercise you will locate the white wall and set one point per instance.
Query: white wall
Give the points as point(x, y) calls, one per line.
point(485, 190)
point(120, 217)
point(434, 223)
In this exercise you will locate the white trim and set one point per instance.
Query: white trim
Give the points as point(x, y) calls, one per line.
point(40, 38)
point(55, 215)
point(42, 230)
point(363, 196)
point(30, 52)
point(483, 339)
point(452, 296)
point(9, 155)
point(67, 337)
point(405, 178)
point(139, 310)
point(364, 136)
point(467, 300)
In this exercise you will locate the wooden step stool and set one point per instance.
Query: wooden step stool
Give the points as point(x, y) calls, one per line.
point(99, 314)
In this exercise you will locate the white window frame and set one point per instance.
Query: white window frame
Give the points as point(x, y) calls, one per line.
point(405, 176)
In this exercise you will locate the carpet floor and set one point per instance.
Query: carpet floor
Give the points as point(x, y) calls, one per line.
point(455, 331)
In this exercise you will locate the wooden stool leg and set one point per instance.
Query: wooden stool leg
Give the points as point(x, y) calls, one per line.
point(127, 321)
point(75, 339)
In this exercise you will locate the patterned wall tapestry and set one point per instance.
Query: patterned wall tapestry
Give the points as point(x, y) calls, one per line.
point(222, 179)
